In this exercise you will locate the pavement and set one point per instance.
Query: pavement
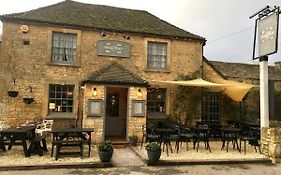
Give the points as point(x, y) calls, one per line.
point(229, 169)
point(128, 158)
point(125, 157)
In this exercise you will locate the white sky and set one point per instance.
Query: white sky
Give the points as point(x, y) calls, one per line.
point(224, 23)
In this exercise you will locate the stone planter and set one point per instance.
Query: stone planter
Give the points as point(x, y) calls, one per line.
point(28, 100)
point(153, 156)
point(133, 142)
point(105, 156)
point(13, 93)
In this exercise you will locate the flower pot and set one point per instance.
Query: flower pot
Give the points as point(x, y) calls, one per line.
point(105, 156)
point(13, 93)
point(133, 142)
point(28, 100)
point(153, 156)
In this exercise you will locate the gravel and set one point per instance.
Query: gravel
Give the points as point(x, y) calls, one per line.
point(203, 154)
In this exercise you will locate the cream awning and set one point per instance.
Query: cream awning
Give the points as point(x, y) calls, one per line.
point(235, 90)
point(197, 82)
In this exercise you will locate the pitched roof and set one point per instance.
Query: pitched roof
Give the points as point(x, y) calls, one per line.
point(100, 17)
point(115, 73)
point(244, 71)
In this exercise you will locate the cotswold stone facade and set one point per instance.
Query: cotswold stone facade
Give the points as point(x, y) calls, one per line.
point(25, 57)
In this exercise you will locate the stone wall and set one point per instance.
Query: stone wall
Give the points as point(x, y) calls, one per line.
point(271, 142)
point(30, 65)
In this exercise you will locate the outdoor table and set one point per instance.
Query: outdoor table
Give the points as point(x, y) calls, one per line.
point(230, 134)
point(202, 133)
point(17, 136)
point(79, 137)
point(163, 135)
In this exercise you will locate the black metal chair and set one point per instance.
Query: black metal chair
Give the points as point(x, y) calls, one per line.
point(253, 137)
point(186, 135)
point(202, 133)
point(148, 134)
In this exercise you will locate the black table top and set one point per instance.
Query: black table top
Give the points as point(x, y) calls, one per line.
point(21, 129)
point(228, 129)
point(65, 130)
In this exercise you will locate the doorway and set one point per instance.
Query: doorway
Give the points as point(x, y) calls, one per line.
point(116, 114)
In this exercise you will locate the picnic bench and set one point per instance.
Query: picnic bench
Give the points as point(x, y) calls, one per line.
point(71, 137)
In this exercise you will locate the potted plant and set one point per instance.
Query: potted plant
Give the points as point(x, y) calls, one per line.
point(133, 140)
point(153, 151)
point(105, 151)
point(28, 100)
point(13, 93)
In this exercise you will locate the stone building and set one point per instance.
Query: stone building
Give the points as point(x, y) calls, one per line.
point(92, 64)
point(249, 73)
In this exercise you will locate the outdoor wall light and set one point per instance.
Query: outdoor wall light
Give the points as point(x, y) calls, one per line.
point(102, 34)
point(95, 93)
point(139, 92)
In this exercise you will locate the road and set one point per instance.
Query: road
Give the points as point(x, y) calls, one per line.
point(234, 169)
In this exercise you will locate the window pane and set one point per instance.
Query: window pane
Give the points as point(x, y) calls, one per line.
point(156, 100)
point(64, 45)
point(61, 98)
point(156, 55)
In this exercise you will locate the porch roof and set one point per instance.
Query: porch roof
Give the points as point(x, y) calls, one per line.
point(235, 90)
point(115, 73)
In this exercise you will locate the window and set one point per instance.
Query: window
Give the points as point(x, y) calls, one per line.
point(156, 100)
point(211, 108)
point(157, 55)
point(61, 98)
point(64, 48)
point(112, 105)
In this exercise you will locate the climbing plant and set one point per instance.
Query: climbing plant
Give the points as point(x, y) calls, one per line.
point(186, 99)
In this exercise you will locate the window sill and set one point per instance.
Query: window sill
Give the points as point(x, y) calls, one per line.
point(167, 70)
point(63, 64)
point(60, 116)
point(157, 116)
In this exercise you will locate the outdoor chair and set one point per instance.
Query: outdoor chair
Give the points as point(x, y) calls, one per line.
point(252, 137)
point(148, 134)
point(202, 133)
point(186, 135)
point(46, 126)
point(3, 125)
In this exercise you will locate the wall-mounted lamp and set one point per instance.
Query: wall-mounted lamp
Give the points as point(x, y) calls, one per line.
point(139, 92)
point(95, 93)
point(102, 34)
point(82, 87)
point(127, 37)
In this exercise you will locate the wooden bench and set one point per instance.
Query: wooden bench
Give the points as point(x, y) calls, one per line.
point(67, 143)
point(38, 145)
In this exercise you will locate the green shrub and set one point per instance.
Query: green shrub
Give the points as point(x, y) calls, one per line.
point(105, 146)
point(133, 137)
point(153, 146)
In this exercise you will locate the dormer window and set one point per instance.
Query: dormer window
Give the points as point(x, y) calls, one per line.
point(64, 48)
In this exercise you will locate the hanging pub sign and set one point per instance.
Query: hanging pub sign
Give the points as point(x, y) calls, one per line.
point(113, 48)
point(266, 33)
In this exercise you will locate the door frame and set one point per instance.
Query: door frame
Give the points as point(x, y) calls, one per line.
point(127, 107)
